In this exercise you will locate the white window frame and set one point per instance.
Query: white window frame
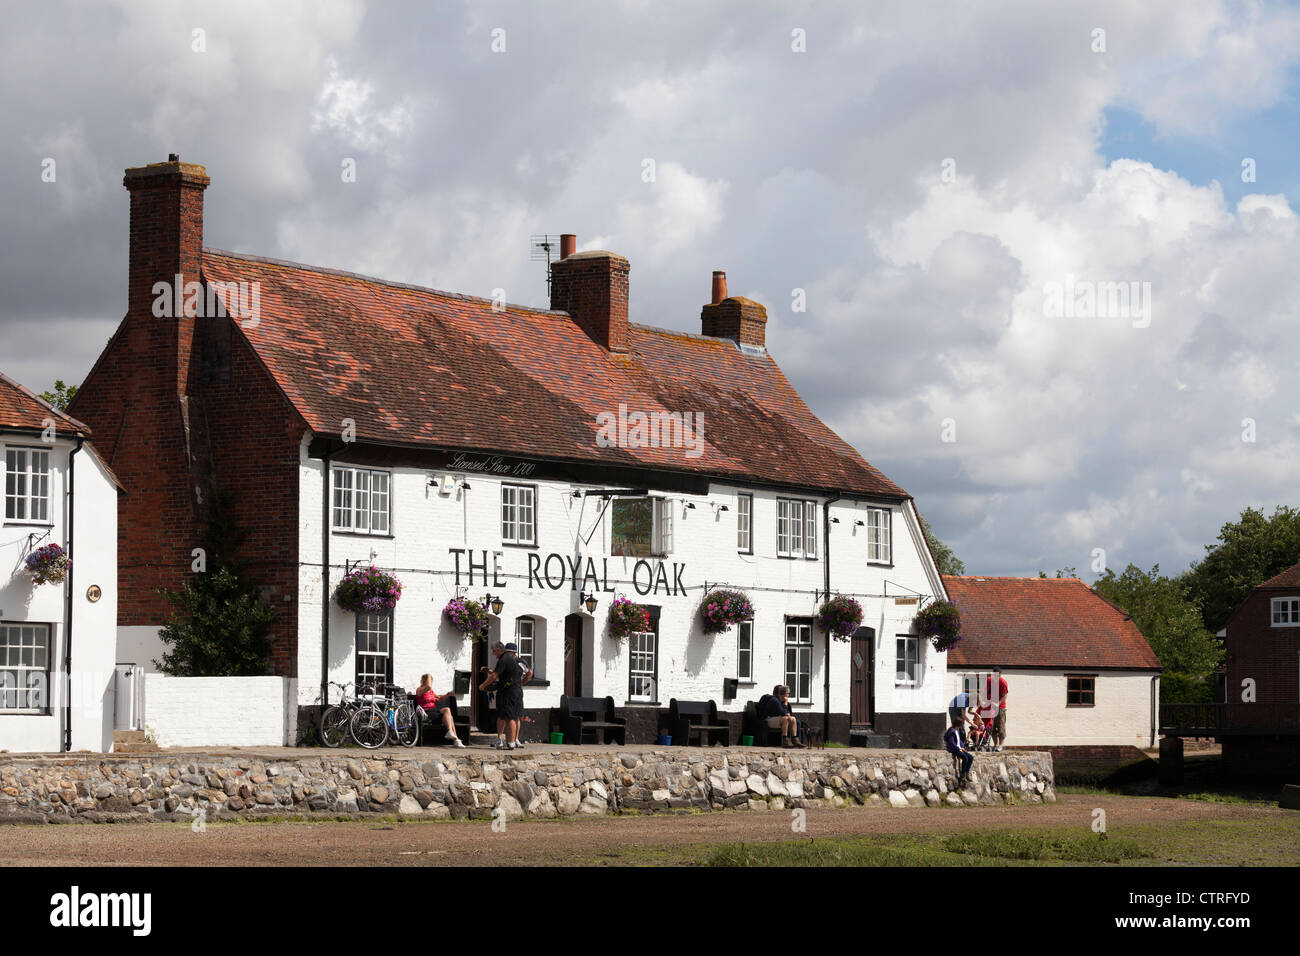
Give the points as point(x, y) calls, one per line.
point(745, 651)
point(1284, 612)
point(526, 640)
point(25, 660)
point(27, 487)
point(361, 500)
point(642, 649)
point(907, 650)
point(519, 514)
point(798, 660)
point(383, 658)
point(662, 520)
point(745, 523)
point(880, 537)
point(796, 528)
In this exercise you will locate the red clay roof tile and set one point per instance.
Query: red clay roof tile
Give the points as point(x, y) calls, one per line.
point(1042, 622)
point(414, 365)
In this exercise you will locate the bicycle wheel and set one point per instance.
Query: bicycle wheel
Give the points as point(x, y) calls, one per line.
point(406, 724)
point(334, 726)
point(368, 727)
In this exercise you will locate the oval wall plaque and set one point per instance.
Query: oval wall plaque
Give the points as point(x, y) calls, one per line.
point(93, 593)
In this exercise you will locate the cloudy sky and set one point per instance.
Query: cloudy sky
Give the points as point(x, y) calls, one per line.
point(937, 179)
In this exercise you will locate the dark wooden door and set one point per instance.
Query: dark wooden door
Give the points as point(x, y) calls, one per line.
point(478, 711)
point(573, 655)
point(861, 652)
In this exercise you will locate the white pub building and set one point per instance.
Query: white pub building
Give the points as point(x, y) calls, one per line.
point(552, 459)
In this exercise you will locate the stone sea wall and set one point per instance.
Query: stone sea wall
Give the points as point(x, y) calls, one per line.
point(539, 783)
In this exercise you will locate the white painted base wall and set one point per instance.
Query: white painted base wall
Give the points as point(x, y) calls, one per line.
point(220, 711)
point(1037, 714)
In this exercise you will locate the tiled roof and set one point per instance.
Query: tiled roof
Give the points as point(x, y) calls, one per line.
point(1290, 578)
point(1042, 622)
point(417, 366)
point(22, 408)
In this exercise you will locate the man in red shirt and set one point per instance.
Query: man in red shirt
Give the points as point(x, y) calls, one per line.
point(1000, 720)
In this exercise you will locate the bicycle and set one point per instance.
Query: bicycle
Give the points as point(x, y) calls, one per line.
point(394, 715)
point(336, 719)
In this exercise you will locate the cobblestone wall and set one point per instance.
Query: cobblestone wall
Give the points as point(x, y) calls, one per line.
point(440, 783)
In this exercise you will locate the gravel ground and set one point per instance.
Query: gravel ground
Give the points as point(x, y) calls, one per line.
point(545, 842)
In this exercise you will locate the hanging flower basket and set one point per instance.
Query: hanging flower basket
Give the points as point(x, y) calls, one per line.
point(626, 618)
point(468, 616)
point(723, 608)
point(840, 617)
point(941, 623)
point(49, 565)
point(368, 591)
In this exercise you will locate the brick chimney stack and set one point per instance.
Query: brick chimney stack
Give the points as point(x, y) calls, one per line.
point(166, 241)
point(731, 317)
point(592, 287)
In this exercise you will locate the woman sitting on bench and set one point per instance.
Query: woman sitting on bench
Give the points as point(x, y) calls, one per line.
point(436, 708)
point(779, 716)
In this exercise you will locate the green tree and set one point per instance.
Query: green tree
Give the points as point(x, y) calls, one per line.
point(1061, 573)
point(62, 395)
point(220, 626)
point(1171, 624)
point(947, 562)
point(1250, 551)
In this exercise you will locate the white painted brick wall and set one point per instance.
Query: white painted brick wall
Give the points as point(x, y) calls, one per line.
point(692, 665)
point(220, 711)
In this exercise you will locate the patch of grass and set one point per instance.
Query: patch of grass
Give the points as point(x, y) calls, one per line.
point(1042, 846)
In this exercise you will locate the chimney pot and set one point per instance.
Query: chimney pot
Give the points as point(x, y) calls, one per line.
point(568, 244)
point(173, 157)
point(719, 287)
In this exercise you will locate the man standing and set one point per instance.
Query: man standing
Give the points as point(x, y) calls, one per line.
point(509, 677)
point(1000, 717)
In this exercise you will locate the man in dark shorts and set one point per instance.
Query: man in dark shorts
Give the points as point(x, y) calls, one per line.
point(1000, 719)
point(508, 676)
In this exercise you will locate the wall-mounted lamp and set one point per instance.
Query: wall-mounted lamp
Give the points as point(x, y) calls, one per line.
point(860, 524)
point(576, 494)
point(495, 603)
point(465, 485)
point(590, 601)
point(835, 521)
point(691, 505)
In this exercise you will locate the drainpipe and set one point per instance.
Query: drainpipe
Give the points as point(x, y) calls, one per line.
point(67, 601)
point(325, 580)
point(826, 546)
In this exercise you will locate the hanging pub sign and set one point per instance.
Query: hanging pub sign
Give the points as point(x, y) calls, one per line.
point(558, 572)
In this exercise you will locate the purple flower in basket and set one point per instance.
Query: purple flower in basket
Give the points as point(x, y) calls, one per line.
point(49, 564)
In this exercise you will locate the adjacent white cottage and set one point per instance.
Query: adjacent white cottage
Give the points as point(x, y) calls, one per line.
point(1079, 673)
point(57, 639)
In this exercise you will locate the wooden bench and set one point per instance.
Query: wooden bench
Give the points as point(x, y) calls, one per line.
point(432, 731)
point(697, 719)
point(755, 725)
point(577, 716)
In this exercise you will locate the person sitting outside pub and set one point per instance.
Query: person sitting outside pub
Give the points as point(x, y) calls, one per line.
point(961, 708)
point(953, 743)
point(779, 716)
point(436, 708)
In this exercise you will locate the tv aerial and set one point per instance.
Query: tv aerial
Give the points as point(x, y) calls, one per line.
point(544, 249)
